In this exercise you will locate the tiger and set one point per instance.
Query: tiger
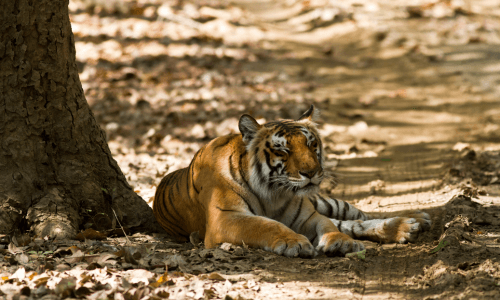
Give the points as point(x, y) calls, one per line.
point(260, 188)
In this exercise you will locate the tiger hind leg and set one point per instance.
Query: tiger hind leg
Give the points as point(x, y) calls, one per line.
point(393, 230)
point(384, 227)
point(423, 218)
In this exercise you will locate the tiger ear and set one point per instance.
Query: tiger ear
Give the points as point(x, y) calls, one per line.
point(248, 127)
point(312, 114)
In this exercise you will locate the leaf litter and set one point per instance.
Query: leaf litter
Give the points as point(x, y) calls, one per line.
point(164, 78)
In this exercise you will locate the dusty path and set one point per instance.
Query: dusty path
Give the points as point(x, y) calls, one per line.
point(400, 98)
point(410, 118)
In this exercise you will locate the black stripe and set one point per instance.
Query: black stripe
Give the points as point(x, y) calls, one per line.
point(314, 237)
point(337, 210)
point(163, 209)
point(245, 181)
point(191, 166)
point(268, 159)
point(274, 169)
point(249, 206)
point(358, 216)
point(232, 171)
point(200, 152)
point(197, 155)
point(242, 173)
point(315, 203)
point(329, 208)
point(221, 209)
point(281, 210)
point(344, 210)
point(170, 201)
point(227, 140)
point(242, 198)
point(347, 207)
point(297, 213)
point(178, 229)
point(188, 191)
point(277, 152)
point(308, 218)
point(171, 195)
point(354, 235)
point(178, 186)
point(258, 166)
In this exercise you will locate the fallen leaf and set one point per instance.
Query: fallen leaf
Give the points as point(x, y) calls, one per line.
point(21, 240)
point(20, 274)
point(163, 278)
point(106, 258)
point(226, 246)
point(129, 258)
point(41, 281)
point(440, 246)
point(209, 294)
point(65, 287)
point(90, 234)
point(360, 254)
point(13, 249)
point(174, 261)
point(215, 276)
point(22, 258)
point(163, 294)
point(81, 292)
point(76, 257)
point(194, 238)
point(32, 275)
point(138, 275)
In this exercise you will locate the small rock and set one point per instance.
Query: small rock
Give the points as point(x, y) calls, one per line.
point(194, 238)
point(63, 267)
point(216, 277)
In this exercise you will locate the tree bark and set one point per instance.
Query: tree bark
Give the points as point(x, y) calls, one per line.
point(56, 170)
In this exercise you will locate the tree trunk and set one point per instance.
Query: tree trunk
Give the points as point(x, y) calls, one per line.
point(56, 170)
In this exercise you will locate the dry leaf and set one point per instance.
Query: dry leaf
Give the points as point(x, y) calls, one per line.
point(215, 276)
point(129, 257)
point(20, 274)
point(22, 258)
point(75, 257)
point(163, 278)
point(194, 238)
point(226, 246)
point(65, 287)
point(104, 258)
point(90, 234)
point(41, 281)
point(21, 240)
point(139, 275)
point(13, 249)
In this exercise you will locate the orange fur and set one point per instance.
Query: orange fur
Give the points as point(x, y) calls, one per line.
point(261, 188)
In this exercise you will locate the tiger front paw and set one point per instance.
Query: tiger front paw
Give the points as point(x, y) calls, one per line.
point(292, 246)
point(334, 243)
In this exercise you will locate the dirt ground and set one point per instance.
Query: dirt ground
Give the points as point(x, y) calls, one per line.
point(410, 115)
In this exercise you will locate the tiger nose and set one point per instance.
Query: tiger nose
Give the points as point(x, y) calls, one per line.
point(310, 173)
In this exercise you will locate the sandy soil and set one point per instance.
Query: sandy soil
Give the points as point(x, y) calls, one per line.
point(403, 102)
point(410, 118)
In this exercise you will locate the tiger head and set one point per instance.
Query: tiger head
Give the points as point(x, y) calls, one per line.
point(285, 157)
